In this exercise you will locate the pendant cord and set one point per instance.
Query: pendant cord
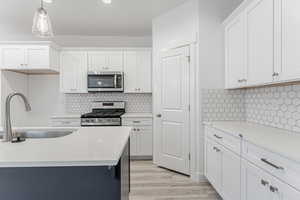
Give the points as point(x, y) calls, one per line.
point(42, 4)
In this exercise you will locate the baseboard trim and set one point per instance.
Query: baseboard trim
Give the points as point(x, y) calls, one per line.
point(199, 177)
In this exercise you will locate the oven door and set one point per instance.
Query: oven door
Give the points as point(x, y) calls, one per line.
point(105, 82)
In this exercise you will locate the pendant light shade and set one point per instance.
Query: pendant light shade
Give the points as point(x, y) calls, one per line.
point(41, 23)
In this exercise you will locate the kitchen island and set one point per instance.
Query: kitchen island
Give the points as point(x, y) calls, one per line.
point(90, 163)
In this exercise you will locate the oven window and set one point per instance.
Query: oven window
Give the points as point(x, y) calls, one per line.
point(101, 81)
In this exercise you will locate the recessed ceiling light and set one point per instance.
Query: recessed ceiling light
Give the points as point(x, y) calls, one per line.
point(107, 1)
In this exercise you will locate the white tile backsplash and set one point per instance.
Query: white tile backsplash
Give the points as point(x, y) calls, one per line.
point(277, 106)
point(219, 104)
point(82, 103)
point(274, 106)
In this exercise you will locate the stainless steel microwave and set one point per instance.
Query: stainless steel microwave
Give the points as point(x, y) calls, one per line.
point(105, 81)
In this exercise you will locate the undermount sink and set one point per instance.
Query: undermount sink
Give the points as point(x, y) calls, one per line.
point(41, 134)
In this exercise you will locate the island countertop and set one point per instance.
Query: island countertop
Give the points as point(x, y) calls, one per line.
point(95, 146)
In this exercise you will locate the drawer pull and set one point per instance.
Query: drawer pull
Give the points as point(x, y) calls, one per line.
point(217, 149)
point(271, 164)
point(273, 189)
point(218, 137)
point(136, 122)
point(264, 183)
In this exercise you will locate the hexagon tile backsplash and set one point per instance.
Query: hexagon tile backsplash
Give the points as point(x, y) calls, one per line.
point(83, 103)
point(277, 106)
point(274, 106)
point(219, 104)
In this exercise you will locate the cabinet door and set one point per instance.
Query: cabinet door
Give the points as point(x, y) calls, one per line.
point(144, 72)
point(282, 191)
point(97, 61)
point(235, 53)
point(290, 40)
point(133, 143)
point(260, 41)
point(13, 57)
point(213, 163)
point(73, 72)
point(130, 71)
point(255, 183)
point(231, 175)
point(145, 141)
point(115, 61)
point(37, 57)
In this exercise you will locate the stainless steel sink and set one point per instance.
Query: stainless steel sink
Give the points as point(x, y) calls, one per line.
point(40, 134)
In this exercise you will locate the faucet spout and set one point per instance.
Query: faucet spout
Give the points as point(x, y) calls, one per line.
point(8, 135)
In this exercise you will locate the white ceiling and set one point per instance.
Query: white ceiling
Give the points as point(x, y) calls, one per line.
point(86, 17)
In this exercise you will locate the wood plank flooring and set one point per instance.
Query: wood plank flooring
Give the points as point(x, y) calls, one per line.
point(149, 182)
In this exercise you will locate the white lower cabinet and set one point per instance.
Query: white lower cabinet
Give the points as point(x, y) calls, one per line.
point(213, 164)
point(257, 184)
point(141, 137)
point(223, 170)
point(240, 176)
point(141, 141)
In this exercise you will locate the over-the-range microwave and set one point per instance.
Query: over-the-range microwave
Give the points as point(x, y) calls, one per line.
point(105, 81)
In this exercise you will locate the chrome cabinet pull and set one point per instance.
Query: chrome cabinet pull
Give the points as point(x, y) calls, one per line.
point(218, 137)
point(159, 115)
point(273, 189)
point(136, 122)
point(275, 74)
point(264, 182)
point(271, 164)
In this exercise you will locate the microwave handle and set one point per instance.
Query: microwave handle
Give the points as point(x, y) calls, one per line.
point(115, 81)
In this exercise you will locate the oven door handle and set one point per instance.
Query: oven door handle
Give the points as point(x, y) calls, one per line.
point(115, 81)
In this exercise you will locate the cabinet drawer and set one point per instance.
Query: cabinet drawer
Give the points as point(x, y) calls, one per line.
point(65, 122)
point(284, 169)
point(231, 142)
point(137, 121)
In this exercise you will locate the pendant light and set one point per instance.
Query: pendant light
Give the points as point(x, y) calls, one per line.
point(41, 23)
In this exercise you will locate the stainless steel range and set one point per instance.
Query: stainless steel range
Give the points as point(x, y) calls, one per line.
point(107, 114)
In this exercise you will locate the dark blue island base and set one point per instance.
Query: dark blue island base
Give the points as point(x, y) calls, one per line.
point(67, 183)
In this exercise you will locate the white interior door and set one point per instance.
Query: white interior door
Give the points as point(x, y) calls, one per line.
point(173, 120)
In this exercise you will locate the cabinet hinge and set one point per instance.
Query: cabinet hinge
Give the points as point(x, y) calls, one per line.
point(189, 108)
point(189, 58)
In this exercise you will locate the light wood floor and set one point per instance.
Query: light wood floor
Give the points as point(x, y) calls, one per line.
point(149, 182)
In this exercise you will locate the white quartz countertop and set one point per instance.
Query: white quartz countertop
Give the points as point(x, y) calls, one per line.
point(101, 146)
point(283, 142)
point(63, 116)
point(133, 115)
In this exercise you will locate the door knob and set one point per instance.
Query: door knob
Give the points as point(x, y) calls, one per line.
point(159, 115)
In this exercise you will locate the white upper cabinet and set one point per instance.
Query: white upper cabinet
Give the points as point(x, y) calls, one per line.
point(260, 41)
point(290, 40)
point(105, 61)
point(12, 57)
point(235, 53)
point(73, 74)
point(271, 42)
point(29, 58)
point(138, 71)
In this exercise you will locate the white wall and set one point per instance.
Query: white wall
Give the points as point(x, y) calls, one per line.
point(177, 27)
point(14, 82)
point(197, 21)
point(211, 53)
point(45, 99)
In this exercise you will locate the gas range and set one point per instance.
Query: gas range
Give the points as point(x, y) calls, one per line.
point(107, 114)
